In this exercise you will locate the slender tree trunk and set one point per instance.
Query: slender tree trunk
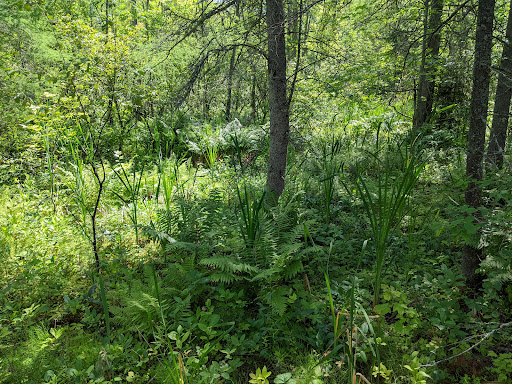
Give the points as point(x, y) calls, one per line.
point(91, 11)
point(431, 44)
point(472, 255)
point(298, 29)
point(230, 84)
point(206, 101)
point(106, 16)
point(498, 137)
point(419, 106)
point(278, 103)
point(253, 94)
point(133, 10)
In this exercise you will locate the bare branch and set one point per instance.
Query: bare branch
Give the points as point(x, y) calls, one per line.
point(485, 337)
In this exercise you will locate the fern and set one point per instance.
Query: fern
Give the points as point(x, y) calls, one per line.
point(267, 274)
point(282, 240)
point(274, 254)
point(292, 269)
point(188, 225)
point(228, 269)
point(183, 246)
point(140, 308)
point(224, 277)
point(279, 299)
point(265, 249)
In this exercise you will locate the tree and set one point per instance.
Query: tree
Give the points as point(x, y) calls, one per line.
point(230, 84)
point(430, 51)
point(278, 102)
point(472, 254)
point(498, 136)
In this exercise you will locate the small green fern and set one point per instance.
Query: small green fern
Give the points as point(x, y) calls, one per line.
point(228, 269)
point(141, 308)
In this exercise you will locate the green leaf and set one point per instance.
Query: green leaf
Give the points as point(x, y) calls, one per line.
point(382, 309)
point(283, 378)
point(469, 225)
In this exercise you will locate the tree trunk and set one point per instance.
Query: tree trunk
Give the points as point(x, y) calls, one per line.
point(431, 44)
point(230, 84)
point(472, 255)
point(106, 18)
point(253, 94)
point(133, 11)
point(206, 101)
point(278, 103)
point(297, 52)
point(498, 137)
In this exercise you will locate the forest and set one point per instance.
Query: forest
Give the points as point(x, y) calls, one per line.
point(255, 191)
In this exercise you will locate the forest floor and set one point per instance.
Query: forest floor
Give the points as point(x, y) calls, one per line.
point(356, 273)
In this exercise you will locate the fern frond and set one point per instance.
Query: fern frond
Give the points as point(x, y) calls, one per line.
point(228, 264)
point(157, 235)
point(228, 269)
point(140, 310)
point(292, 269)
point(266, 274)
point(173, 280)
point(188, 263)
point(279, 300)
point(224, 278)
point(185, 246)
point(182, 309)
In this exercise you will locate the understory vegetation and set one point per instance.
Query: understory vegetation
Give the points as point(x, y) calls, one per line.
point(355, 273)
point(271, 191)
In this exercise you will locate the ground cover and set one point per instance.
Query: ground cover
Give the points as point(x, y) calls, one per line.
point(355, 275)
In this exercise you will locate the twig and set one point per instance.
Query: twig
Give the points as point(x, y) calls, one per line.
point(361, 377)
point(486, 336)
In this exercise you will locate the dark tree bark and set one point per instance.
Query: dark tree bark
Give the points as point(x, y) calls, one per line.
point(253, 95)
point(133, 11)
point(497, 140)
point(106, 17)
point(472, 255)
point(195, 72)
point(431, 44)
point(206, 101)
point(298, 28)
point(230, 83)
point(278, 103)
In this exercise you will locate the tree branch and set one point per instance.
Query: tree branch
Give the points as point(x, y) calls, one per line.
point(485, 337)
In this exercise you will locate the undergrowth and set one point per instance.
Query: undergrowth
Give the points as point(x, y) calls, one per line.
point(202, 283)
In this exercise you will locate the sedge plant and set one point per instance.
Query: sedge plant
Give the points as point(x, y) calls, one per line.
point(349, 328)
point(251, 224)
point(211, 155)
point(168, 182)
point(104, 303)
point(386, 204)
point(331, 167)
point(131, 184)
